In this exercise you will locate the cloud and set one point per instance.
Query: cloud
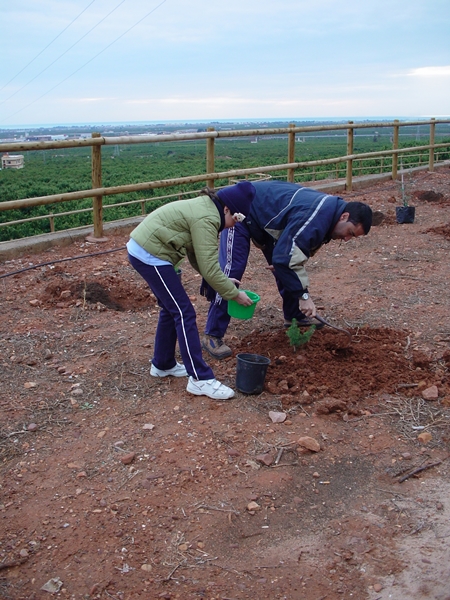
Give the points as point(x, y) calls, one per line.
point(430, 72)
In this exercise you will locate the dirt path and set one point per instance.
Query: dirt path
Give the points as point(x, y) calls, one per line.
point(117, 485)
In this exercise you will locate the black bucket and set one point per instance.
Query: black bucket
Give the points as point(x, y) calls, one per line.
point(251, 372)
point(405, 214)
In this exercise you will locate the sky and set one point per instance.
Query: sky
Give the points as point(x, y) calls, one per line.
point(109, 61)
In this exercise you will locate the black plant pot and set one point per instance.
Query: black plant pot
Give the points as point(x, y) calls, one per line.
point(405, 214)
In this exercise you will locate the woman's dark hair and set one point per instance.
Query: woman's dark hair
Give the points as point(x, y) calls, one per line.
point(359, 213)
point(207, 191)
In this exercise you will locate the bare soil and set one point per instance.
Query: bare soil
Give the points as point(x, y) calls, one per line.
point(116, 485)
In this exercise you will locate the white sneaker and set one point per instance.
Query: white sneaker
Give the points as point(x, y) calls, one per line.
point(209, 387)
point(176, 371)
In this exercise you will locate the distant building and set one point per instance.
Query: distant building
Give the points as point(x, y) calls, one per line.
point(12, 161)
point(38, 138)
point(77, 136)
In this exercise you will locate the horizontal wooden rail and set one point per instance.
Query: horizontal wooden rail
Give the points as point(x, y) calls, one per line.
point(341, 167)
point(203, 135)
point(149, 185)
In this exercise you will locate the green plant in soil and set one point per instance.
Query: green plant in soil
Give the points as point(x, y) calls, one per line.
point(405, 196)
point(296, 337)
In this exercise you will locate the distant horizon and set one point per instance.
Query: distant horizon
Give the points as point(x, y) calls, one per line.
point(204, 121)
point(122, 63)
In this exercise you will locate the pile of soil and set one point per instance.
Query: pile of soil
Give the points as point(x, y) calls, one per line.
point(331, 483)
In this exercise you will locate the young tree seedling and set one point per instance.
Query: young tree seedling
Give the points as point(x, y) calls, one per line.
point(296, 337)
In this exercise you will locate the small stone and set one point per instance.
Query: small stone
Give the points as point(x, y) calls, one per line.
point(53, 585)
point(148, 426)
point(32, 427)
point(146, 567)
point(309, 443)
point(277, 417)
point(74, 465)
point(252, 506)
point(377, 587)
point(431, 393)
point(233, 452)
point(35, 302)
point(265, 459)
point(283, 386)
point(127, 459)
point(425, 437)
point(29, 384)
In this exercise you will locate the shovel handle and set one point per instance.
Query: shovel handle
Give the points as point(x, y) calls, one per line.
point(333, 326)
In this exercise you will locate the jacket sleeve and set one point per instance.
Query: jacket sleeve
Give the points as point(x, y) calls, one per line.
point(297, 243)
point(204, 258)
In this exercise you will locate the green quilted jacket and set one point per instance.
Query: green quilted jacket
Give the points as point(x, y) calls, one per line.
point(187, 228)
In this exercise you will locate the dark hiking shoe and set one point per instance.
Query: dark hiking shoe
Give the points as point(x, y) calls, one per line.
point(215, 347)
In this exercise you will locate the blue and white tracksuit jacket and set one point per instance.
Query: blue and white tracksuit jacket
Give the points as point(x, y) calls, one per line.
point(290, 223)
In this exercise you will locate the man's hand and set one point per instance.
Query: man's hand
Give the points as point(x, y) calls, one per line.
point(234, 280)
point(243, 299)
point(308, 307)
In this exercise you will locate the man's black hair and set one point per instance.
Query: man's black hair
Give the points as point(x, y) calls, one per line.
point(359, 213)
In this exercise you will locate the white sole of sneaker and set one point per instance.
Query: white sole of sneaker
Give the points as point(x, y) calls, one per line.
point(198, 392)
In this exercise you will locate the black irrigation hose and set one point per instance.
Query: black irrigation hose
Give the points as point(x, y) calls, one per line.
point(53, 262)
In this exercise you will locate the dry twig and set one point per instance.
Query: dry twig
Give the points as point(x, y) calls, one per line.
point(419, 470)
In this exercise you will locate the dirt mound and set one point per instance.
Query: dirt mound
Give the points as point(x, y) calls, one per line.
point(443, 230)
point(428, 196)
point(376, 361)
point(114, 293)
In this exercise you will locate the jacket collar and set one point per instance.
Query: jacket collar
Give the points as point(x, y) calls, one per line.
point(219, 205)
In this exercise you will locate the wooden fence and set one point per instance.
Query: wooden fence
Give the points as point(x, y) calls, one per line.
point(96, 142)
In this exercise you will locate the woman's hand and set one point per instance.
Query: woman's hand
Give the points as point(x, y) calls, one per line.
point(243, 299)
point(308, 307)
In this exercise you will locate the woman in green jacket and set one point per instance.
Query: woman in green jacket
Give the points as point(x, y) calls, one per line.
point(187, 228)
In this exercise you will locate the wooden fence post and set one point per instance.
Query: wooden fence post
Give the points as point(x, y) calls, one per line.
point(291, 153)
point(348, 185)
point(210, 162)
point(431, 159)
point(97, 201)
point(395, 147)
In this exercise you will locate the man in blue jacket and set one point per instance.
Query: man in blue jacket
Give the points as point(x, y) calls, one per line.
point(289, 223)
